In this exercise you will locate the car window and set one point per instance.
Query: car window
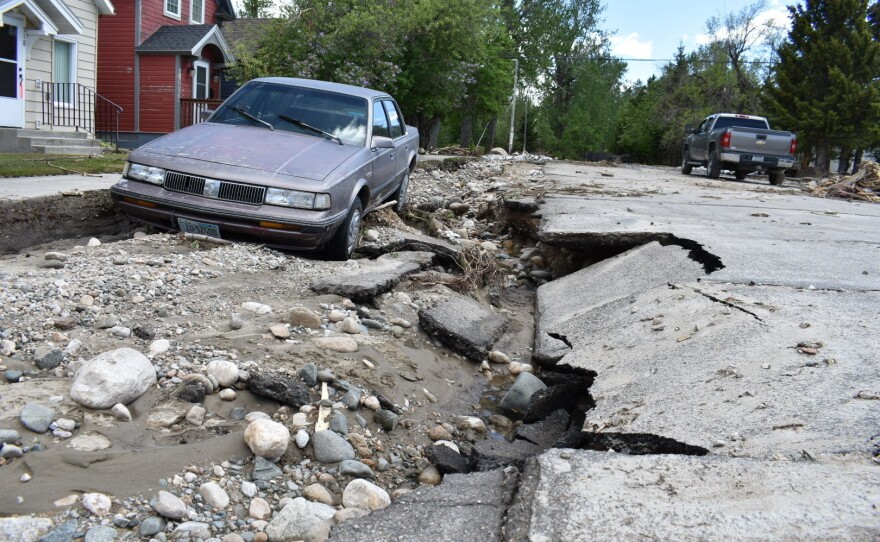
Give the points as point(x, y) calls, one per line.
point(380, 121)
point(727, 122)
point(394, 120)
point(278, 105)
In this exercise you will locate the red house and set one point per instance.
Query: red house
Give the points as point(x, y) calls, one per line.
point(160, 60)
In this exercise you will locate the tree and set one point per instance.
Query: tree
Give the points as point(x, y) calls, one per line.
point(254, 9)
point(826, 85)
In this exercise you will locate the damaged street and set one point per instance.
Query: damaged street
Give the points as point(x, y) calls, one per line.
point(532, 350)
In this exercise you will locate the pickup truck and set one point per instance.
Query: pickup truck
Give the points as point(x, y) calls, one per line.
point(290, 163)
point(742, 144)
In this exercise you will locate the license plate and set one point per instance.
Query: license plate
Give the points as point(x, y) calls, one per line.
point(201, 228)
point(757, 158)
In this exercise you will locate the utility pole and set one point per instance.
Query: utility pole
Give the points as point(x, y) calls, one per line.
point(513, 105)
point(525, 122)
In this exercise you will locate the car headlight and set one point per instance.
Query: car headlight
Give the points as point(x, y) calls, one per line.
point(147, 174)
point(295, 198)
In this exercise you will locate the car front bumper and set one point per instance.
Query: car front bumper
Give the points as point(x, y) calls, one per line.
point(274, 226)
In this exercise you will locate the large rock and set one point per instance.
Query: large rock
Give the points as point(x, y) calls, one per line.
point(296, 519)
point(463, 325)
point(304, 317)
point(266, 438)
point(168, 505)
point(24, 528)
point(36, 417)
point(375, 277)
point(330, 447)
point(517, 397)
point(225, 371)
point(117, 376)
point(280, 388)
point(48, 356)
point(337, 343)
point(360, 493)
point(214, 495)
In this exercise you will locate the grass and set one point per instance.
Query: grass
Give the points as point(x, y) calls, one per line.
point(37, 165)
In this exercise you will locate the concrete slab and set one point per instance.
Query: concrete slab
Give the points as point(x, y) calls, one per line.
point(373, 277)
point(634, 271)
point(394, 240)
point(18, 188)
point(463, 507)
point(463, 325)
point(605, 496)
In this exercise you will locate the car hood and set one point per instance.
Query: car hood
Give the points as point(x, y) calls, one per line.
point(277, 152)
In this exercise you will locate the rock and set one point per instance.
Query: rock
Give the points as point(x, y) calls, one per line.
point(267, 438)
point(301, 439)
point(214, 495)
point(459, 208)
point(36, 417)
point(374, 277)
point(356, 469)
point(158, 347)
point(11, 451)
point(318, 493)
point(227, 394)
point(352, 398)
point(498, 151)
point(7, 348)
point(545, 432)
point(309, 374)
point(101, 533)
point(471, 422)
point(329, 447)
point(349, 513)
point(366, 495)
point(48, 357)
point(90, 441)
point(279, 331)
point(24, 528)
point(196, 415)
point(69, 500)
point(447, 460)
point(338, 422)
point(372, 402)
point(120, 331)
point(190, 530)
point(386, 419)
point(516, 368)
point(121, 412)
point(12, 376)
point(351, 326)
point(296, 519)
point(94, 242)
point(8, 436)
point(168, 505)
point(337, 343)
point(280, 388)
point(97, 503)
point(496, 356)
point(235, 321)
point(430, 476)
point(304, 317)
point(517, 397)
point(66, 532)
point(225, 371)
point(256, 308)
point(151, 526)
point(117, 376)
point(438, 432)
point(64, 323)
point(464, 325)
point(164, 417)
point(145, 332)
point(249, 489)
point(193, 390)
point(265, 470)
point(260, 509)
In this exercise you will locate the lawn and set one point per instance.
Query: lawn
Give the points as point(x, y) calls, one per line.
point(35, 165)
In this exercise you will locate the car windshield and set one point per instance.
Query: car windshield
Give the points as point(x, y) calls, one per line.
point(296, 109)
point(727, 122)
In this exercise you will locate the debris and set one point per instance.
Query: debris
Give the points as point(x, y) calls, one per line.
point(862, 185)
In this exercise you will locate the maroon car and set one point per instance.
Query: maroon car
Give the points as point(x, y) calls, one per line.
point(290, 163)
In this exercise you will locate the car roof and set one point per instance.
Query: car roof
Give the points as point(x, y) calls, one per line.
point(326, 85)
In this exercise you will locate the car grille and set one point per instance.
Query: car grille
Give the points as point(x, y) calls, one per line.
point(210, 188)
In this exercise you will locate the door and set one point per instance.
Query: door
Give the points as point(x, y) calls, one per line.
point(398, 130)
point(12, 72)
point(384, 160)
point(200, 88)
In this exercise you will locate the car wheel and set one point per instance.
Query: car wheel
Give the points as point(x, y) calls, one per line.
point(401, 194)
point(713, 167)
point(777, 178)
point(740, 175)
point(685, 167)
point(345, 239)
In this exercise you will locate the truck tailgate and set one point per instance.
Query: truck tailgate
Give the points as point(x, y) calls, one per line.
point(765, 142)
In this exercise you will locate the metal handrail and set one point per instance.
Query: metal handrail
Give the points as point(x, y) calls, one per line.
point(73, 104)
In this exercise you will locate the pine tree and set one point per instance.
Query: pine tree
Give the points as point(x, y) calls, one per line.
point(826, 85)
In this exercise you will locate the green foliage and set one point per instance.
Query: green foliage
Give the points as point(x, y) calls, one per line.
point(255, 8)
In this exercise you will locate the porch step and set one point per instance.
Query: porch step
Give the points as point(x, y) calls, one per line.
point(54, 133)
point(67, 149)
point(57, 142)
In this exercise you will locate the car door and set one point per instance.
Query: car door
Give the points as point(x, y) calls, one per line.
point(384, 160)
point(698, 142)
point(398, 131)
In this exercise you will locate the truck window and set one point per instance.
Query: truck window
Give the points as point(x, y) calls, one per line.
point(727, 122)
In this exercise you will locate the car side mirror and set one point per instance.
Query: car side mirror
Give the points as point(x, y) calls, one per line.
point(382, 142)
point(689, 129)
point(205, 113)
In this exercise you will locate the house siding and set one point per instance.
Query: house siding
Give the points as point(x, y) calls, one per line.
point(116, 66)
point(158, 83)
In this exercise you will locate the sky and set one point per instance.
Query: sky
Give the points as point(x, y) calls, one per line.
point(654, 28)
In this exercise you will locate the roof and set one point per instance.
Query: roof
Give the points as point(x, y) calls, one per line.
point(352, 90)
point(246, 31)
point(224, 11)
point(188, 39)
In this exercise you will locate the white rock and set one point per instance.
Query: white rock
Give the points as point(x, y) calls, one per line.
point(168, 505)
point(227, 394)
point(471, 422)
point(90, 441)
point(196, 415)
point(7, 348)
point(158, 347)
point(72, 347)
point(256, 308)
point(337, 343)
point(496, 356)
point(360, 493)
point(267, 438)
point(260, 509)
point(94, 242)
point(190, 530)
point(296, 519)
point(120, 331)
point(336, 315)
point(351, 325)
point(225, 371)
point(117, 376)
point(249, 489)
point(65, 424)
point(24, 528)
point(256, 415)
point(372, 402)
point(121, 412)
point(301, 439)
point(214, 495)
point(300, 419)
point(449, 444)
point(97, 503)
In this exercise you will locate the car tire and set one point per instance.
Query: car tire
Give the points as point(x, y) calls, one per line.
point(777, 178)
point(685, 167)
point(713, 166)
point(740, 175)
point(401, 194)
point(345, 239)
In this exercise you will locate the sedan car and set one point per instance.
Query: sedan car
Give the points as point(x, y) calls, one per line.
point(290, 163)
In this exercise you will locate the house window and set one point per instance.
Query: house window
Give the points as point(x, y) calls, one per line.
point(172, 9)
point(64, 71)
point(197, 12)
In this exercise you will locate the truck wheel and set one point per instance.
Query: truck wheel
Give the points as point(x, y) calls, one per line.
point(685, 167)
point(344, 240)
point(713, 167)
point(401, 194)
point(740, 175)
point(777, 178)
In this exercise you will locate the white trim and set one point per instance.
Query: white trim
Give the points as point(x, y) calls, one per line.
point(191, 11)
point(19, 118)
point(105, 7)
point(216, 37)
point(32, 10)
point(207, 66)
point(74, 56)
point(67, 13)
point(171, 14)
